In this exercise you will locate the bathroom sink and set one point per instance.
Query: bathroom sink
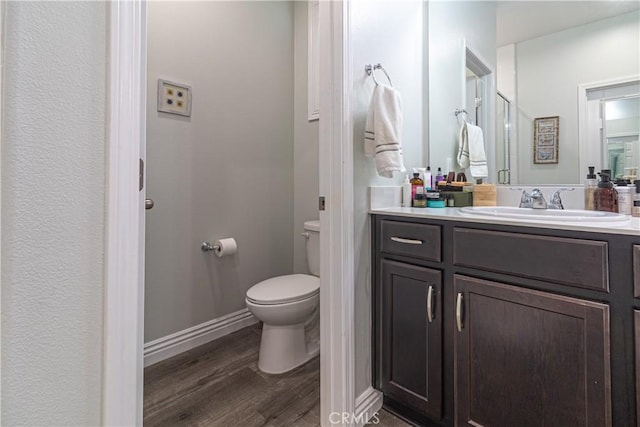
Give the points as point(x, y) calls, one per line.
point(555, 215)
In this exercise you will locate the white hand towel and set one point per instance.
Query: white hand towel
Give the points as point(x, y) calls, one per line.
point(471, 152)
point(383, 131)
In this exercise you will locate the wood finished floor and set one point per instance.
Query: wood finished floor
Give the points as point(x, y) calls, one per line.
point(219, 384)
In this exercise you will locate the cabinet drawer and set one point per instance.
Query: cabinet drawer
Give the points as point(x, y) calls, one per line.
point(636, 270)
point(574, 262)
point(414, 240)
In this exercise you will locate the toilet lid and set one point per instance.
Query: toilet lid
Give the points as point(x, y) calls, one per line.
point(282, 289)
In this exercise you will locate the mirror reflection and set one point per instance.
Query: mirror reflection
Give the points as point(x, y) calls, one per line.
point(578, 60)
point(620, 129)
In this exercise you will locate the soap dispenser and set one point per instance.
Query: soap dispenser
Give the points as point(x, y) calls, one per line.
point(590, 186)
point(605, 197)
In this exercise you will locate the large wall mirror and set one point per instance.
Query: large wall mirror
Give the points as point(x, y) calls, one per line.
point(578, 61)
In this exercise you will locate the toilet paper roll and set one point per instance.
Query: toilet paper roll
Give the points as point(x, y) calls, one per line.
point(226, 247)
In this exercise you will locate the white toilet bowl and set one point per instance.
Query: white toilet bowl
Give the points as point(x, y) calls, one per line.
point(286, 304)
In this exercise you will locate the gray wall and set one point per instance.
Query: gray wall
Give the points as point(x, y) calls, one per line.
point(602, 50)
point(390, 33)
point(305, 146)
point(53, 191)
point(228, 170)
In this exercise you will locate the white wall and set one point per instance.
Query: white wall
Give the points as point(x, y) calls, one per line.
point(305, 146)
point(53, 191)
point(228, 170)
point(549, 70)
point(389, 33)
point(451, 24)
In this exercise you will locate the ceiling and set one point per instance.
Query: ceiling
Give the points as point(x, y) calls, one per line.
point(523, 20)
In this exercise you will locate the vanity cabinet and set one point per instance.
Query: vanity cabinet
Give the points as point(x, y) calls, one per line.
point(529, 358)
point(529, 326)
point(636, 317)
point(636, 271)
point(411, 336)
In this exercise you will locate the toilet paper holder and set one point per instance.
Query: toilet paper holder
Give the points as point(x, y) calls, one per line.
point(208, 247)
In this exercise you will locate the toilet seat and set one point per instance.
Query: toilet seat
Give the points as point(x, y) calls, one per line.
point(284, 289)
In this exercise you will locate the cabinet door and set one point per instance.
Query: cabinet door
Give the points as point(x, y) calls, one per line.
point(411, 336)
point(529, 358)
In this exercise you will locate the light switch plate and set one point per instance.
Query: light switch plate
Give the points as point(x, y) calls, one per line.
point(174, 98)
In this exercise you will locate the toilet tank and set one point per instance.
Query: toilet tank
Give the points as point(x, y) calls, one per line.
point(313, 246)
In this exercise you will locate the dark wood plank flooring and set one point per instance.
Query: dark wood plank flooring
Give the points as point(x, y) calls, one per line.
point(219, 384)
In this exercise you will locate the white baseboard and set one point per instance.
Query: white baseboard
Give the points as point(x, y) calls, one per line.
point(166, 347)
point(367, 405)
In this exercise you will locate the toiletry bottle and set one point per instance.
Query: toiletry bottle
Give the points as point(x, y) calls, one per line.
point(415, 183)
point(635, 210)
point(605, 197)
point(428, 179)
point(439, 177)
point(406, 192)
point(590, 186)
point(624, 197)
point(420, 199)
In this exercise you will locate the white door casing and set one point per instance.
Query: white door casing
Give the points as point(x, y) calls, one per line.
point(124, 252)
point(337, 394)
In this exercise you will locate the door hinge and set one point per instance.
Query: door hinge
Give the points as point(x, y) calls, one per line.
point(321, 203)
point(141, 180)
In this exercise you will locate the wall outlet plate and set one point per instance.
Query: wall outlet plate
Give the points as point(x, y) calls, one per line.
point(174, 98)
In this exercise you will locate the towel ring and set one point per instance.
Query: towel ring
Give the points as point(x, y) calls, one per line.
point(465, 117)
point(370, 70)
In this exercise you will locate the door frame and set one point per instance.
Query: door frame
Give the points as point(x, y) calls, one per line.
point(590, 156)
point(124, 251)
point(124, 235)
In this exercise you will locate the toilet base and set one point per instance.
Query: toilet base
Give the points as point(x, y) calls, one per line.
point(283, 348)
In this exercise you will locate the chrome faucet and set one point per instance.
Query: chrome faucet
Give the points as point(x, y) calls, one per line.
point(556, 202)
point(536, 200)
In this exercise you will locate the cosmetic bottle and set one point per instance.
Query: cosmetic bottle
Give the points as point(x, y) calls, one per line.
point(635, 210)
point(416, 183)
point(605, 197)
point(428, 179)
point(420, 199)
point(439, 177)
point(624, 197)
point(406, 192)
point(590, 186)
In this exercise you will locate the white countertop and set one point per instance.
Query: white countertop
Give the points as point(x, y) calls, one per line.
point(630, 228)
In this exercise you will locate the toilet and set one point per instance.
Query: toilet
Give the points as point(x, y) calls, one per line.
point(287, 305)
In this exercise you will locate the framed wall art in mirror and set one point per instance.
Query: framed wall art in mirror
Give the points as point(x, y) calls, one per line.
point(545, 140)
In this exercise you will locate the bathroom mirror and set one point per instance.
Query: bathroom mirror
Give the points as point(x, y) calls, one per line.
point(541, 56)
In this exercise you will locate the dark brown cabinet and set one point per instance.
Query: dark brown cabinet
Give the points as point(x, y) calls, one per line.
point(410, 335)
point(530, 326)
point(636, 315)
point(529, 358)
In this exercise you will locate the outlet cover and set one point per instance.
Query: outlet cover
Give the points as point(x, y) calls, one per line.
point(174, 98)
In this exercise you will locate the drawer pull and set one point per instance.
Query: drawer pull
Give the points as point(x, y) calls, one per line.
point(430, 304)
point(459, 312)
point(407, 241)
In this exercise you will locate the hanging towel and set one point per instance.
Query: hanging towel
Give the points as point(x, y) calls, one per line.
point(471, 151)
point(383, 131)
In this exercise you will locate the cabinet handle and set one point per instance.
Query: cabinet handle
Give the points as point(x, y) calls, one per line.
point(459, 312)
point(407, 241)
point(430, 304)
